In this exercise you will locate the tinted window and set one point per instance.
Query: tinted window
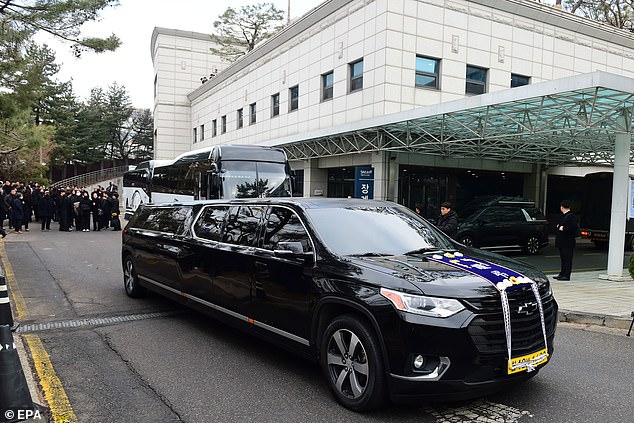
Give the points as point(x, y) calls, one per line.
point(283, 225)
point(380, 230)
point(476, 80)
point(502, 214)
point(209, 225)
point(535, 213)
point(242, 225)
point(427, 72)
point(166, 219)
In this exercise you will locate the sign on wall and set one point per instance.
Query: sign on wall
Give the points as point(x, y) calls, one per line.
point(364, 182)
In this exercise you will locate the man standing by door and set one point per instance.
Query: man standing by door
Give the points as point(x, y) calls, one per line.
point(567, 231)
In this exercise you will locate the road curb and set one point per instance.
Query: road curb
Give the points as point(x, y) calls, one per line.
point(613, 322)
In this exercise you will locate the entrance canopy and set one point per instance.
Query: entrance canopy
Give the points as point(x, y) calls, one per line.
point(569, 121)
point(580, 120)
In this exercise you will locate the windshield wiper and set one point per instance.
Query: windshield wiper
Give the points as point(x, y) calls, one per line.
point(422, 250)
point(371, 255)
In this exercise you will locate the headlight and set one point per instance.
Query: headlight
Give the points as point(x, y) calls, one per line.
point(420, 304)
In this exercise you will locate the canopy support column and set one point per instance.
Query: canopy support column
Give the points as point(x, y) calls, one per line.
point(620, 187)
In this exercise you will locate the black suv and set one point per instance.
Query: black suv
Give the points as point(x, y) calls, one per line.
point(386, 303)
point(503, 223)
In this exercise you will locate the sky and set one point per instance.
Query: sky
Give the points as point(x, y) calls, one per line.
point(133, 22)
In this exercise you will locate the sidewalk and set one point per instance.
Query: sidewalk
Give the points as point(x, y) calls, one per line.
point(586, 299)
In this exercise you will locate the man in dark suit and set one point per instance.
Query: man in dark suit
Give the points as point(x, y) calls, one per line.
point(567, 231)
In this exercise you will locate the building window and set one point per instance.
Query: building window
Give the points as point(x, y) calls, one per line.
point(223, 124)
point(202, 132)
point(519, 80)
point(476, 80)
point(214, 128)
point(356, 75)
point(252, 116)
point(275, 104)
point(195, 135)
point(293, 95)
point(327, 82)
point(427, 72)
point(239, 118)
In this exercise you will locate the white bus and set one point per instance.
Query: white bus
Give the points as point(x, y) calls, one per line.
point(227, 171)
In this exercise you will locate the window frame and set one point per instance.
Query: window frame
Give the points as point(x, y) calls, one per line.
point(476, 82)
point(327, 91)
point(223, 124)
point(293, 98)
point(354, 79)
point(434, 75)
point(214, 128)
point(517, 75)
point(195, 135)
point(252, 113)
point(275, 105)
point(240, 118)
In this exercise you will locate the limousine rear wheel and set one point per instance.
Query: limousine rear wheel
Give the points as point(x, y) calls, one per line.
point(130, 279)
point(352, 362)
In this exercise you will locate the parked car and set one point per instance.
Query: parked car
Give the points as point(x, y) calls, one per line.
point(387, 304)
point(505, 223)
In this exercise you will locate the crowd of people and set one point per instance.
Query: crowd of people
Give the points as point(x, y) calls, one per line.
point(74, 208)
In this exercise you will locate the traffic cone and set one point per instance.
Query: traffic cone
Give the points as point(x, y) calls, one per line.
point(15, 398)
point(6, 317)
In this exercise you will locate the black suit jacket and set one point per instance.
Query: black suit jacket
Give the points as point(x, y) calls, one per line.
point(566, 238)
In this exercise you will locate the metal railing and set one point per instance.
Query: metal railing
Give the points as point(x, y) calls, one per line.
point(91, 178)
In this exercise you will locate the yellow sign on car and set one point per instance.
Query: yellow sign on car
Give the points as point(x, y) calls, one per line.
point(527, 362)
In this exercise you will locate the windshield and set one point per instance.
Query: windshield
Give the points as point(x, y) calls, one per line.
point(362, 230)
point(253, 179)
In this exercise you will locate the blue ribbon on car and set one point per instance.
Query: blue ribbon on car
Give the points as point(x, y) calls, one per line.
point(504, 279)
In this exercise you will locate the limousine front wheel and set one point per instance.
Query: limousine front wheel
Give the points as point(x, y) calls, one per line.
point(130, 279)
point(351, 359)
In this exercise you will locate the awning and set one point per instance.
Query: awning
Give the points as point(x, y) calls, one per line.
point(566, 121)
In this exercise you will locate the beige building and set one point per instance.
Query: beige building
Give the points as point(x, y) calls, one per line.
point(419, 90)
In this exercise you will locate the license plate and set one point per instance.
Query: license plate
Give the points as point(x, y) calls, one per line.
point(527, 363)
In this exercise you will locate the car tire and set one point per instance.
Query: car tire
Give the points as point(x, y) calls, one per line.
point(467, 241)
point(352, 362)
point(531, 245)
point(131, 280)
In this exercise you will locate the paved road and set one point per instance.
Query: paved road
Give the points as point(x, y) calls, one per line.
point(180, 366)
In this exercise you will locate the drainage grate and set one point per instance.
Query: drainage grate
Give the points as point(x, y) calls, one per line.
point(91, 322)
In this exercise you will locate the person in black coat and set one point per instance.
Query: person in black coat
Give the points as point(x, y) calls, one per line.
point(85, 205)
point(97, 211)
point(448, 220)
point(17, 213)
point(45, 209)
point(27, 201)
point(107, 211)
point(567, 231)
point(64, 212)
point(114, 211)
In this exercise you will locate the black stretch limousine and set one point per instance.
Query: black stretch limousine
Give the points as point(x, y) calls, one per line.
point(389, 305)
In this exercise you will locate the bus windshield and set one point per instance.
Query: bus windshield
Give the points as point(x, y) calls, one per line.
point(254, 179)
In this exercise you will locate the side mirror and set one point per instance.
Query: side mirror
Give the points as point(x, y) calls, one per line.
point(290, 249)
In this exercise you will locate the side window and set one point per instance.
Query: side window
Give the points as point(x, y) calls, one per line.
point(283, 225)
point(167, 219)
point(209, 225)
point(242, 225)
